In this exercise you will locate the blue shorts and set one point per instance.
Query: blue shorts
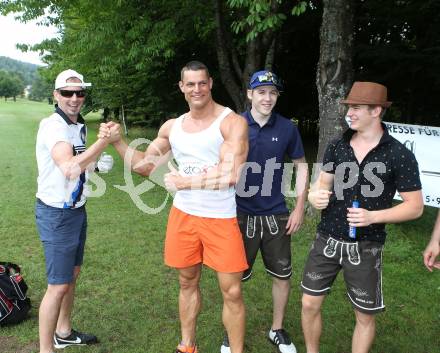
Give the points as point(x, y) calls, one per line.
point(63, 234)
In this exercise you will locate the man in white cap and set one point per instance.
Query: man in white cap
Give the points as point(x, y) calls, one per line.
point(60, 212)
point(355, 189)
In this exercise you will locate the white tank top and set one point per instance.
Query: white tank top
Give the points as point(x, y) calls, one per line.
point(195, 153)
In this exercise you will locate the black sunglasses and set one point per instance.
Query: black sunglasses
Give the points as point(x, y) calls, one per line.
point(68, 94)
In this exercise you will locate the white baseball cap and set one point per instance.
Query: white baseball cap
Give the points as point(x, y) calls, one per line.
point(62, 78)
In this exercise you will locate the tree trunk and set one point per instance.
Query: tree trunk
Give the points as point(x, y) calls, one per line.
point(259, 52)
point(105, 114)
point(270, 57)
point(116, 113)
point(334, 75)
point(226, 73)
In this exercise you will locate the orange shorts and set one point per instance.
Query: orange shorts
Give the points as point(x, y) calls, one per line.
point(215, 242)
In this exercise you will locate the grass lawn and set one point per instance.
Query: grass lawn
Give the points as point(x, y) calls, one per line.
point(128, 297)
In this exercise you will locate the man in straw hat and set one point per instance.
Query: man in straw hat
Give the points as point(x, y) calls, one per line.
point(361, 172)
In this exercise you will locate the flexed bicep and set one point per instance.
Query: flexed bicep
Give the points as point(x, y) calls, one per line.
point(234, 150)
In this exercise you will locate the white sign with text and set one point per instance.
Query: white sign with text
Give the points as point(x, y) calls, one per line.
point(424, 142)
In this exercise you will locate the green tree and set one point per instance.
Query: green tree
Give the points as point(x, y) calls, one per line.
point(129, 48)
point(26, 71)
point(397, 44)
point(132, 51)
point(17, 86)
point(41, 89)
point(238, 57)
point(11, 85)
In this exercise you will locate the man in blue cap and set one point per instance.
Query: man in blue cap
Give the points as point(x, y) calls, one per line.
point(264, 219)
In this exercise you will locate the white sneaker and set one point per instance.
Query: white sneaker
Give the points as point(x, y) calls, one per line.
point(225, 345)
point(281, 339)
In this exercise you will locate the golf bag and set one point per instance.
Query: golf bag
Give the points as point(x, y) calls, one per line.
point(14, 305)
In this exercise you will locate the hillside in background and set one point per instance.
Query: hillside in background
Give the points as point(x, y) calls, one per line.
point(26, 70)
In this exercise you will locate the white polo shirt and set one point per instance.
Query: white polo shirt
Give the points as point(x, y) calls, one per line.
point(54, 189)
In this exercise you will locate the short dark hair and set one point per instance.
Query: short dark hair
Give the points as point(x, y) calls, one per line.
point(194, 66)
point(382, 111)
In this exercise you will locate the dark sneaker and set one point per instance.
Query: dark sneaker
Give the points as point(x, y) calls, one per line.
point(186, 349)
point(74, 339)
point(225, 345)
point(281, 339)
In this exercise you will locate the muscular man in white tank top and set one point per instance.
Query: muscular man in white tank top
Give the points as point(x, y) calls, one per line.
point(209, 143)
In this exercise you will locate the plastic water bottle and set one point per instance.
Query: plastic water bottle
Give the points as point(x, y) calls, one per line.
point(352, 230)
point(105, 163)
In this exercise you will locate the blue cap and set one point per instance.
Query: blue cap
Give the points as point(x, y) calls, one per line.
point(265, 78)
